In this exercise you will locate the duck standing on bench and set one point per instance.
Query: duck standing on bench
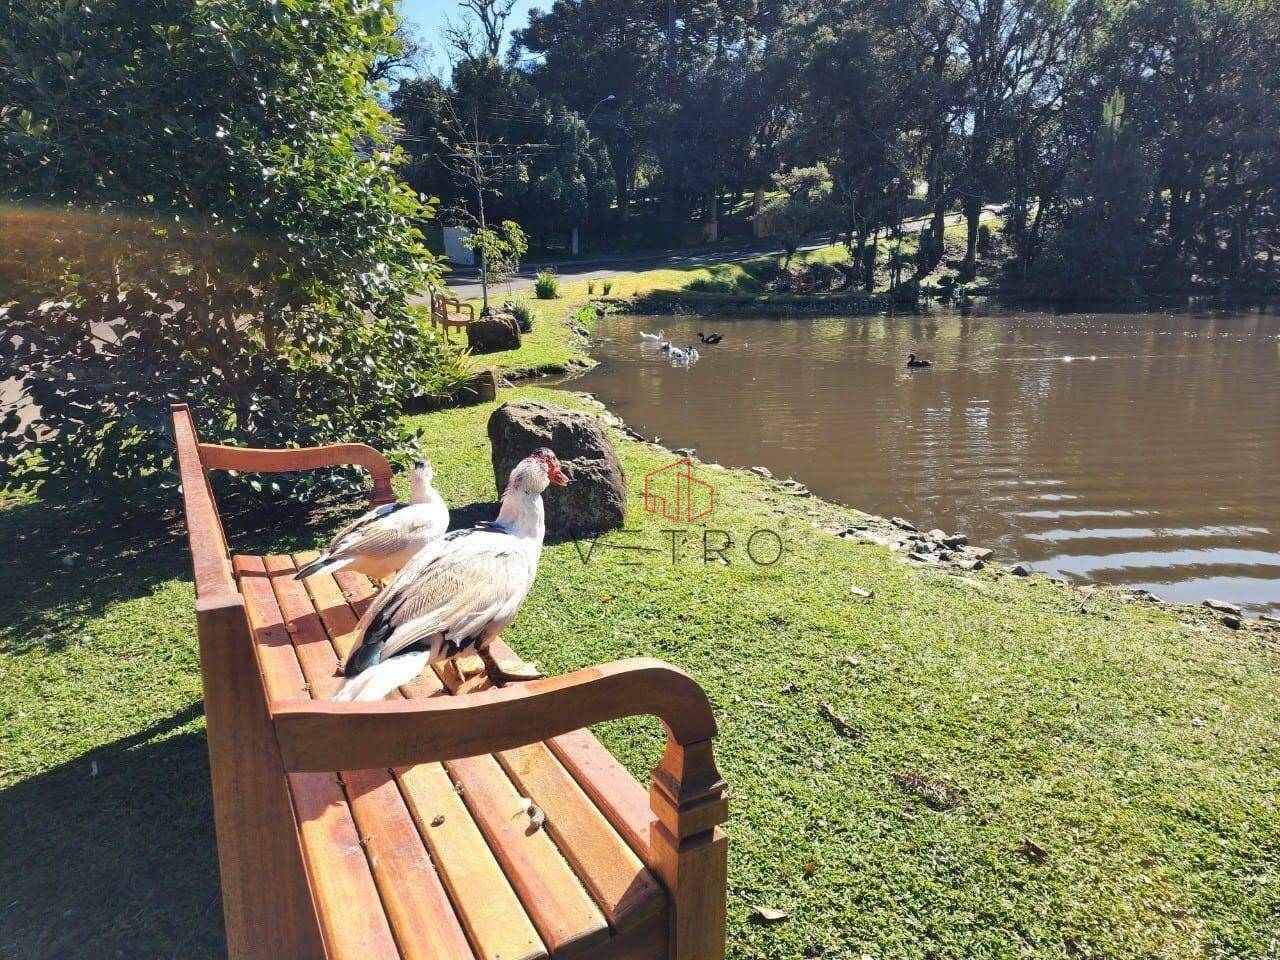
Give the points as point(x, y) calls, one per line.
point(386, 538)
point(458, 594)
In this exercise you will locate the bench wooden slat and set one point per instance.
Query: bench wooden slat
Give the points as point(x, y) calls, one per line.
point(562, 910)
point(551, 892)
point(568, 920)
point(615, 793)
point(609, 784)
point(487, 906)
point(422, 919)
point(619, 882)
point(352, 922)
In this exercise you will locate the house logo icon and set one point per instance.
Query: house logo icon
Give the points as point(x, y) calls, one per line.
point(677, 494)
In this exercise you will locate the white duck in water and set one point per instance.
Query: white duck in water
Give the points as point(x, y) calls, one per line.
point(457, 595)
point(653, 337)
point(677, 355)
point(386, 538)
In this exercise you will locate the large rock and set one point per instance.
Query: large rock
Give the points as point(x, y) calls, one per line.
point(498, 331)
point(596, 497)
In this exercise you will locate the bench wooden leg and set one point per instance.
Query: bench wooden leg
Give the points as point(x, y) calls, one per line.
point(695, 872)
point(266, 903)
point(688, 851)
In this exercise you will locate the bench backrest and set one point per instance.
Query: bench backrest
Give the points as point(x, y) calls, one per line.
point(209, 555)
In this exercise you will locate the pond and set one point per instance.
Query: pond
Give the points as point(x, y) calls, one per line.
point(1124, 448)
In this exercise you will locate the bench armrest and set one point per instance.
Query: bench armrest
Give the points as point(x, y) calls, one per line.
point(439, 302)
point(687, 794)
point(320, 735)
point(253, 460)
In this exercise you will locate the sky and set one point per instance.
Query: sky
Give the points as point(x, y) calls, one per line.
point(429, 16)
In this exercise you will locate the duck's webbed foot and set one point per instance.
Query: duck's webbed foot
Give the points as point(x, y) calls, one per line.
point(506, 671)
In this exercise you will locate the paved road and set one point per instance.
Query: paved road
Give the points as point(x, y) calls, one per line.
point(465, 281)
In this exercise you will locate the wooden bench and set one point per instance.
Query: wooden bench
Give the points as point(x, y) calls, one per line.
point(442, 316)
point(402, 829)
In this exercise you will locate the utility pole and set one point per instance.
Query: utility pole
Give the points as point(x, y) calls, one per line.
point(586, 123)
point(480, 180)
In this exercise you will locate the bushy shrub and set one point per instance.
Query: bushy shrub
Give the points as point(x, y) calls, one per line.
point(709, 285)
point(607, 287)
point(591, 288)
point(523, 313)
point(547, 285)
point(219, 223)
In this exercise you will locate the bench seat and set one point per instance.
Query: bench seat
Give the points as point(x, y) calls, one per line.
point(441, 860)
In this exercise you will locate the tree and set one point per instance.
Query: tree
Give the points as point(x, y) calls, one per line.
point(240, 238)
point(403, 56)
point(479, 34)
point(803, 205)
point(1098, 251)
point(500, 250)
point(488, 139)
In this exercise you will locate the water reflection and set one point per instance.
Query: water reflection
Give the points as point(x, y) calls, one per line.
point(1041, 435)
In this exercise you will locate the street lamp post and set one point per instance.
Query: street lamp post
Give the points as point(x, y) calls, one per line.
point(587, 123)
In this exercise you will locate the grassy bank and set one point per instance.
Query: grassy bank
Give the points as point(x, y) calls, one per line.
point(736, 287)
point(1017, 773)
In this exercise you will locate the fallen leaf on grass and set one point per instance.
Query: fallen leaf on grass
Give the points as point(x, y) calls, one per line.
point(810, 868)
point(770, 914)
point(861, 592)
point(935, 794)
point(843, 726)
point(1033, 851)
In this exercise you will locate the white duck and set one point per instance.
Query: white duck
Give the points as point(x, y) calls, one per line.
point(454, 597)
point(693, 354)
point(386, 538)
point(653, 337)
point(678, 356)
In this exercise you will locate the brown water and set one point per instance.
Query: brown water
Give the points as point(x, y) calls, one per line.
point(1138, 449)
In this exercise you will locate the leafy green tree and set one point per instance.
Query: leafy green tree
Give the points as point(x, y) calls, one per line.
point(500, 249)
point(205, 208)
point(544, 169)
point(1099, 249)
point(803, 204)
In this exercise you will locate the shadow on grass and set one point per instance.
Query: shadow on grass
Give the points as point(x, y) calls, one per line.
point(112, 854)
point(64, 563)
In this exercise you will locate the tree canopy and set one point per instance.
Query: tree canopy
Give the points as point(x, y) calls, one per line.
point(205, 208)
point(916, 107)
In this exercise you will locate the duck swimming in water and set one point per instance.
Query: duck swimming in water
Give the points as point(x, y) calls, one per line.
point(711, 340)
point(913, 362)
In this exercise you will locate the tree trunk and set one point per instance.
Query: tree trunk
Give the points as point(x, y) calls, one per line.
point(973, 217)
point(869, 263)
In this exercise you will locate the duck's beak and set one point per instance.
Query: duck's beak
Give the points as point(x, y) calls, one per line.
point(555, 474)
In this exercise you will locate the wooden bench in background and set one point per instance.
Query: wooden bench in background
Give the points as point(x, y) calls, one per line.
point(401, 830)
point(447, 312)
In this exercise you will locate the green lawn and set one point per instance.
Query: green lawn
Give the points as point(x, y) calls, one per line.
point(1135, 745)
